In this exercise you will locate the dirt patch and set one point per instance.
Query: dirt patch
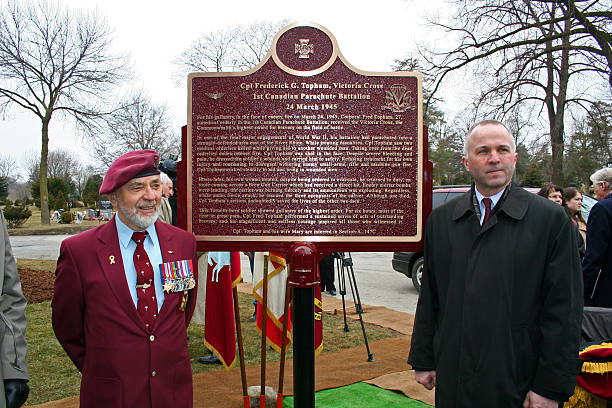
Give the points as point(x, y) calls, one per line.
point(37, 286)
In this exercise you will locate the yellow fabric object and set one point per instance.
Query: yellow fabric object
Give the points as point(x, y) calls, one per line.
point(584, 399)
point(597, 368)
point(596, 346)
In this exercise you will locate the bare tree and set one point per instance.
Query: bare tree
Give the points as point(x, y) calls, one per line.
point(254, 41)
point(595, 18)
point(136, 124)
point(236, 48)
point(55, 61)
point(8, 167)
point(527, 55)
point(81, 174)
point(61, 163)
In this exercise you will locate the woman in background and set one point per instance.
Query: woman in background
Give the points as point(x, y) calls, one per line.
point(553, 192)
point(573, 205)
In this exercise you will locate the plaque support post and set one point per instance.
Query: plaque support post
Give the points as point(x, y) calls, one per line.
point(303, 348)
point(303, 278)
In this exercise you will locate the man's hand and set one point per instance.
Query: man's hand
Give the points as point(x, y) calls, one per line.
point(426, 378)
point(533, 400)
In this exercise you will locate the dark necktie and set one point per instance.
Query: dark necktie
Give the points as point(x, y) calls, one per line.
point(487, 203)
point(145, 289)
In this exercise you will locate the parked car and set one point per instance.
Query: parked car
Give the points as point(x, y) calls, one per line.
point(411, 263)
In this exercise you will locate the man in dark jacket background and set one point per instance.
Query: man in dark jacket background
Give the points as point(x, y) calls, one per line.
point(596, 268)
point(500, 308)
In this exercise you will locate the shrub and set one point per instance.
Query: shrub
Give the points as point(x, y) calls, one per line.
point(8, 202)
point(18, 202)
point(66, 217)
point(60, 201)
point(16, 216)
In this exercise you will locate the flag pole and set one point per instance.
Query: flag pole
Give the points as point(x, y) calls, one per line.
point(279, 401)
point(245, 394)
point(264, 320)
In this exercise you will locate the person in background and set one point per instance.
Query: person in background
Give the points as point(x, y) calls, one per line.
point(555, 194)
point(500, 308)
point(170, 187)
point(326, 268)
point(251, 256)
point(552, 192)
point(124, 295)
point(573, 205)
point(597, 262)
point(169, 166)
point(13, 348)
point(165, 213)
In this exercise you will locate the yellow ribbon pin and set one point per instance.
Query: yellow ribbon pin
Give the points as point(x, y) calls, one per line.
point(111, 259)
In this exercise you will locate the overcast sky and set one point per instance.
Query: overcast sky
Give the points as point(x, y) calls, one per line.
point(370, 34)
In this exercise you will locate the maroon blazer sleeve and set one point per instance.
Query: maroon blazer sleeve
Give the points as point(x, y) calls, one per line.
point(68, 307)
point(191, 302)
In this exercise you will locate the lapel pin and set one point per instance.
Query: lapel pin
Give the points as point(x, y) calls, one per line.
point(111, 259)
point(170, 252)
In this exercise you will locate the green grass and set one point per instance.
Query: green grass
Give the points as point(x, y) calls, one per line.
point(360, 395)
point(37, 264)
point(53, 376)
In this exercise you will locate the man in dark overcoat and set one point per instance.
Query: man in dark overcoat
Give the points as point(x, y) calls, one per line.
point(117, 312)
point(499, 313)
point(596, 265)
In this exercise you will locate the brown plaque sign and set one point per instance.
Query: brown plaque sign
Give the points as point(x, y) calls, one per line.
point(305, 147)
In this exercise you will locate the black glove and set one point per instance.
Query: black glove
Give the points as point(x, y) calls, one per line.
point(16, 392)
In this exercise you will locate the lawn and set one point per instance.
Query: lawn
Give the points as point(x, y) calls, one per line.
point(53, 376)
point(32, 226)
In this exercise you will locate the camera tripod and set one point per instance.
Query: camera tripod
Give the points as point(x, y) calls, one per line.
point(344, 264)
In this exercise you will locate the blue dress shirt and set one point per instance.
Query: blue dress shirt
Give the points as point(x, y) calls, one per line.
point(494, 199)
point(151, 246)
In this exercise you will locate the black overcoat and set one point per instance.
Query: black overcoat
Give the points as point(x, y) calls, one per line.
point(598, 257)
point(500, 307)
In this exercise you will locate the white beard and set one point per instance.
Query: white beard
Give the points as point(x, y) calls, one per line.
point(131, 214)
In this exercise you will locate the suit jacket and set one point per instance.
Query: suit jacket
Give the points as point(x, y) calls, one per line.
point(123, 364)
point(598, 256)
point(165, 211)
point(12, 316)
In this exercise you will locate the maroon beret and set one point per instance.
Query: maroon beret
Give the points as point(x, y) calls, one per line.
point(137, 163)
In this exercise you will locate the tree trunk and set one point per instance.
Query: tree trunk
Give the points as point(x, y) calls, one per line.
point(556, 114)
point(557, 148)
point(557, 124)
point(44, 192)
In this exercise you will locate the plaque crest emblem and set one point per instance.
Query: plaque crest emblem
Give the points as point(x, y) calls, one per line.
point(304, 48)
point(215, 95)
point(398, 99)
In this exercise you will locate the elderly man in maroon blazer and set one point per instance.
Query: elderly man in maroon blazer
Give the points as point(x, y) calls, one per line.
point(124, 295)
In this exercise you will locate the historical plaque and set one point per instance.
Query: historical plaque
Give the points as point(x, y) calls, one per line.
point(305, 147)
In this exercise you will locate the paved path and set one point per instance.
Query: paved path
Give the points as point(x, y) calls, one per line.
point(37, 246)
point(378, 284)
